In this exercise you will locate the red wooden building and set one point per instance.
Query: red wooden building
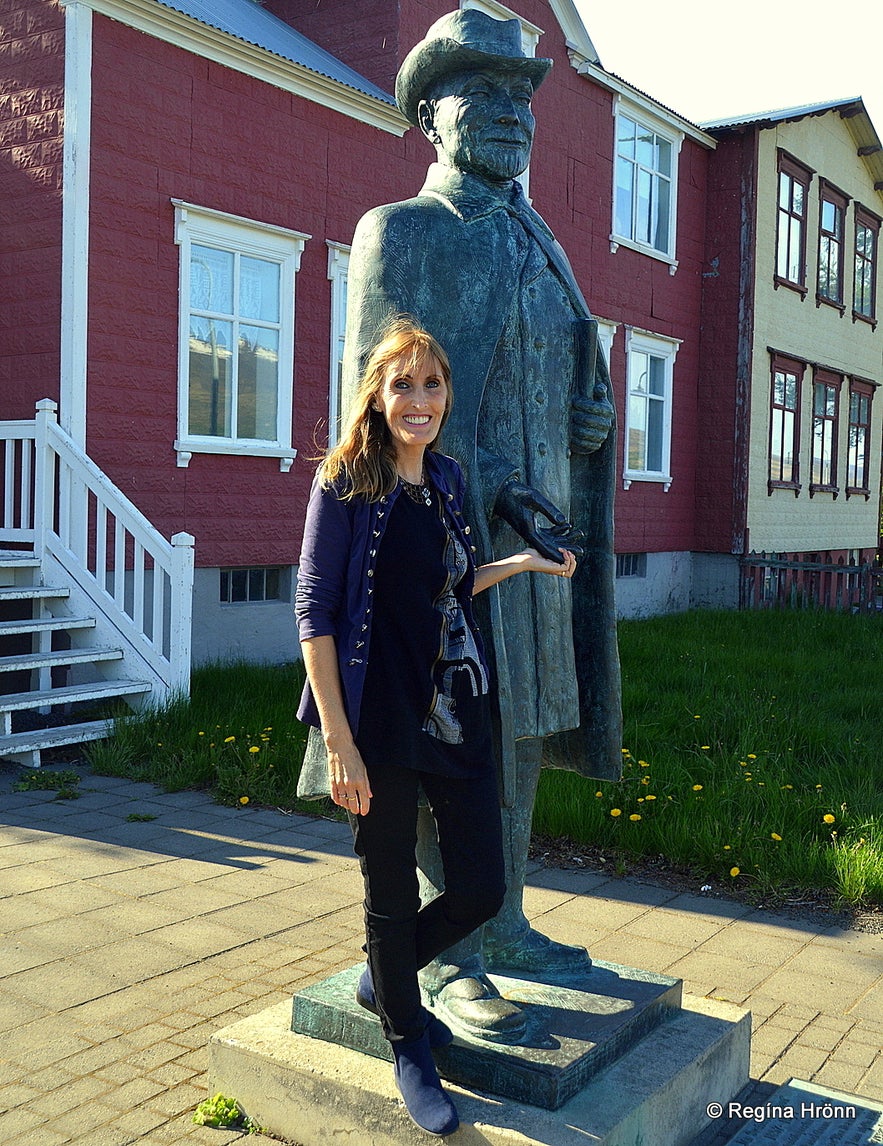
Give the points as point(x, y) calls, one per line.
point(180, 181)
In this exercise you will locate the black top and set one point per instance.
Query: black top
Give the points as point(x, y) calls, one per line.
point(425, 703)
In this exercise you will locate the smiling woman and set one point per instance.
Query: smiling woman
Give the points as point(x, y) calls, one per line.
point(398, 689)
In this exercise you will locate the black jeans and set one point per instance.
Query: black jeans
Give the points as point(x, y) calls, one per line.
point(402, 936)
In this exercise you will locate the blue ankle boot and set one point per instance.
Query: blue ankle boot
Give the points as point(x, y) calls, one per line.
point(440, 1034)
point(419, 1085)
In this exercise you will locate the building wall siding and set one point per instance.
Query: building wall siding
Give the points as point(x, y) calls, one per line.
point(812, 333)
point(31, 139)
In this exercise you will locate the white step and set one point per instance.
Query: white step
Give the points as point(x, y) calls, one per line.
point(63, 657)
point(9, 559)
point(25, 747)
point(45, 625)
point(32, 593)
point(46, 698)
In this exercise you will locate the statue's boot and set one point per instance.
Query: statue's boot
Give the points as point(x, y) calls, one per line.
point(467, 1000)
point(532, 953)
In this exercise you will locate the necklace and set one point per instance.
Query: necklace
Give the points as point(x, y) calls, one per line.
point(418, 492)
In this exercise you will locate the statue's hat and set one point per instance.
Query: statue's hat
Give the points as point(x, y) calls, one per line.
point(461, 40)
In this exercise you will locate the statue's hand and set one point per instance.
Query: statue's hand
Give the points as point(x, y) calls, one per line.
point(519, 504)
point(590, 422)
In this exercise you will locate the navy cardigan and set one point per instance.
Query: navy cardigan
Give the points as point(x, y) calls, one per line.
point(337, 563)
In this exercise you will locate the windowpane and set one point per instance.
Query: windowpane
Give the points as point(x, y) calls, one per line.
point(239, 585)
point(637, 433)
point(210, 371)
point(655, 415)
point(256, 584)
point(211, 280)
point(258, 382)
point(625, 189)
point(626, 133)
point(259, 289)
point(657, 375)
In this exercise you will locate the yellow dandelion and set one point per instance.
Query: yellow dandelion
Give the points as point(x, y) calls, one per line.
point(752, 756)
point(788, 787)
point(229, 739)
point(828, 818)
point(626, 752)
point(818, 787)
point(243, 799)
point(254, 748)
point(697, 717)
point(705, 747)
point(643, 764)
point(202, 734)
point(645, 779)
point(598, 795)
point(616, 812)
point(650, 796)
point(634, 816)
point(640, 799)
point(734, 871)
point(727, 847)
point(697, 787)
point(775, 836)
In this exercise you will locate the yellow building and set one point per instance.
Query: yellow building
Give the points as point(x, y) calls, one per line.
point(791, 331)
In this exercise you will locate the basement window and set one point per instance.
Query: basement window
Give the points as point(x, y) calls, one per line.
point(245, 586)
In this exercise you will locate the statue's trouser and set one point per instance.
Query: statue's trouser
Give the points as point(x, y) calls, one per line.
point(402, 936)
point(510, 924)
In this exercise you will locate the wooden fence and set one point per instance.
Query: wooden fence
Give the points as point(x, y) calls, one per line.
point(791, 581)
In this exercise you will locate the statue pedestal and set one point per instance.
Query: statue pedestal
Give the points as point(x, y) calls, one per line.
point(622, 1061)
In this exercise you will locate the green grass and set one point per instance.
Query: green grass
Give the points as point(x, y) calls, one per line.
point(741, 728)
point(237, 734)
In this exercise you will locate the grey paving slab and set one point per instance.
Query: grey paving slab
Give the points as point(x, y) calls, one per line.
point(125, 945)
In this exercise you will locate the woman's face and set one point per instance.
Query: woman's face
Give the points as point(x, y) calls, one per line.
point(412, 399)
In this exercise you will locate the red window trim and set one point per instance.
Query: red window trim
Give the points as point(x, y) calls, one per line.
point(829, 193)
point(867, 388)
point(828, 378)
point(867, 218)
point(780, 362)
point(803, 175)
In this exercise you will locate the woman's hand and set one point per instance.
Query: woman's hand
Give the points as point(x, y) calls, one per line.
point(536, 563)
point(528, 561)
point(348, 779)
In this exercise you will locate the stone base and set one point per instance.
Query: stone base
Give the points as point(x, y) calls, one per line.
point(314, 1092)
point(573, 1033)
point(809, 1115)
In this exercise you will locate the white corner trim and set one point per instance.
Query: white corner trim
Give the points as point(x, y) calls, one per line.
point(580, 49)
point(75, 219)
point(210, 43)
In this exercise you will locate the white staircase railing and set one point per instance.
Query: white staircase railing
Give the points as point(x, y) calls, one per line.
point(82, 527)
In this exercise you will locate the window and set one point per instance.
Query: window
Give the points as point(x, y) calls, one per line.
point(338, 269)
point(648, 408)
point(631, 565)
point(794, 183)
point(236, 334)
point(645, 190)
point(787, 376)
point(832, 216)
point(864, 294)
point(240, 586)
point(858, 458)
point(826, 397)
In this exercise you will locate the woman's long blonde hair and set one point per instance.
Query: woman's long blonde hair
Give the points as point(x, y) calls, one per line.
point(364, 460)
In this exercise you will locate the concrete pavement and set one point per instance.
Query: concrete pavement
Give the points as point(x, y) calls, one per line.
point(127, 941)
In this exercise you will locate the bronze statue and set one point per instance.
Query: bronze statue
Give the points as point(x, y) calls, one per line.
point(532, 426)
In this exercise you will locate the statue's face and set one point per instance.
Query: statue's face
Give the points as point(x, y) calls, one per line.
point(481, 122)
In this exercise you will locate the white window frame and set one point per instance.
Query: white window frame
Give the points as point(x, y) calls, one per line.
point(606, 337)
point(207, 227)
point(338, 270)
point(640, 115)
point(666, 349)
